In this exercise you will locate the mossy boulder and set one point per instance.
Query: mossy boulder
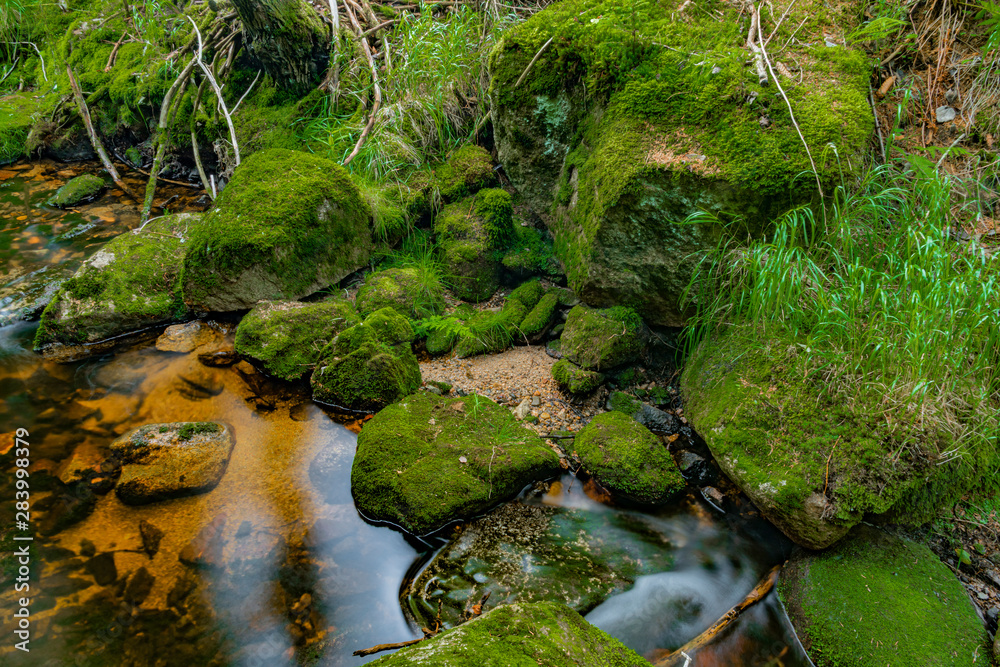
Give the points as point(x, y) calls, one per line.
point(814, 465)
point(466, 172)
point(875, 599)
point(285, 338)
point(628, 460)
point(530, 553)
point(530, 254)
point(491, 331)
point(575, 379)
point(412, 292)
point(620, 132)
point(131, 284)
point(471, 234)
point(18, 113)
point(540, 633)
point(162, 461)
point(78, 190)
point(429, 460)
point(288, 224)
point(602, 339)
point(537, 322)
point(369, 365)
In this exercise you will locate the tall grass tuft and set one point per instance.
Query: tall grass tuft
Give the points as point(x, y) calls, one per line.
point(886, 308)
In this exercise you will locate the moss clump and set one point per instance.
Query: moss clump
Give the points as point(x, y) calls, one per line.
point(875, 599)
point(413, 292)
point(628, 460)
point(813, 465)
point(79, 190)
point(369, 365)
point(467, 171)
point(17, 115)
point(131, 284)
point(537, 322)
point(491, 332)
point(530, 254)
point(288, 224)
point(602, 339)
point(527, 294)
point(191, 429)
point(575, 379)
point(428, 460)
point(286, 338)
point(472, 235)
point(619, 401)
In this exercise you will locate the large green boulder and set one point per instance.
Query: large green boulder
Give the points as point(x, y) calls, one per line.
point(813, 464)
point(428, 460)
point(285, 338)
point(369, 365)
point(602, 339)
point(875, 599)
point(531, 553)
point(467, 171)
point(132, 283)
point(288, 224)
point(628, 460)
point(635, 115)
point(471, 233)
point(523, 634)
point(79, 190)
point(413, 292)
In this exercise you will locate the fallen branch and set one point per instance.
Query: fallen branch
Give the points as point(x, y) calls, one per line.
point(40, 58)
point(114, 52)
point(209, 190)
point(95, 141)
point(332, 79)
point(533, 60)
point(240, 101)
point(387, 647)
point(366, 48)
point(757, 49)
point(758, 593)
point(218, 92)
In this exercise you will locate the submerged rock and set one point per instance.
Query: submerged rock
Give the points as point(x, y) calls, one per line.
point(131, 284)
point(161, 461)
point(187, 337)
point(601, 339)
point(286, 338)
point(875, 599)
point(429, 460)
point(628, 460)
point(469, 232)
point(541, 633)
point(288, 224)
point(369, 365)
point(413, 292)
point(533, 553)
point(79, 190)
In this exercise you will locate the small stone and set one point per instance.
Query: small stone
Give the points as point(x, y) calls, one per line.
point(982, 596)
point(546, 416)
point(537, 393)
point(523, 409)
point(245, 529)
point(139, 586)
point(713, 495)
point(151, 536)
point(535, 400)
point(945, 114)
point(186, 337)
point(219, 358)
point(102, 568)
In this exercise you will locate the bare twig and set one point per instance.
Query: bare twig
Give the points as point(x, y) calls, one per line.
point(218, 92)
point(366, 49)
point(387, 647)
point(240, 101)
point(114, 52)
point(778, 24)
point(758, 50)
point(40, 58)
point(533, 60)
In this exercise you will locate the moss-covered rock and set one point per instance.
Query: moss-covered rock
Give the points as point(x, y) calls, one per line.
point(369, 365)
point(540, 633)
point(620, 132)
point(537, 322)
point(530, 254)
point(287, 224)
point(285, 338)
point(531, 553)
point(472, 233)
point(132, 283)
point(79, 190)
point(412, 292)
point(162, 461)
point(18, 112)
point(628, 460)
point(491, 332)
point(428, 460)
point(875, 599)
point(602, 339)
point(814, 466)
point(467, 171)
point(575, 379)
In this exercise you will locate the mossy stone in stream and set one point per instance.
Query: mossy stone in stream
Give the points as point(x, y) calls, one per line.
point(288, 224)
point(628, 460)
point(429, 460)
point(814, 465)
point(471, 233)
point(575, 379)
point(78, 190)
point(540, 633)
point(468, 170)
point(530, 553)
point(875, 599)
point(132, 283)
point(162, 461)
point(369, 365)
point(412, 292)
point(601, 339)
point(286, 338)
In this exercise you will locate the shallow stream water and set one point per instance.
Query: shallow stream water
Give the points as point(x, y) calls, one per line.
point(275, 566)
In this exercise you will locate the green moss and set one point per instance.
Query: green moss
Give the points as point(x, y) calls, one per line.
point(530, 253)
point(18, 112)
point(575, 379)
point(492, 332)
point(413, 292)
point(468, 170)
point(874, 599)
point(78, 190)
point(288, 224)
point(537, 321)
point(191, 429)
point(602, 339)
point(409, 469)
point(471, 233)
point(286, 338)
point(622, 402)
point(627, 459)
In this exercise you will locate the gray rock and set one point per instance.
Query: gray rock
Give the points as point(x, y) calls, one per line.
point(695, 469)
point(79, 190)
point(945, 114)
point(523, 408)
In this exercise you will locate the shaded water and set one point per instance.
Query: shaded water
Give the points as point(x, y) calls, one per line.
point(275, 566)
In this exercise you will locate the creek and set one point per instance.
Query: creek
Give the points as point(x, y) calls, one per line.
point(275, 566)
